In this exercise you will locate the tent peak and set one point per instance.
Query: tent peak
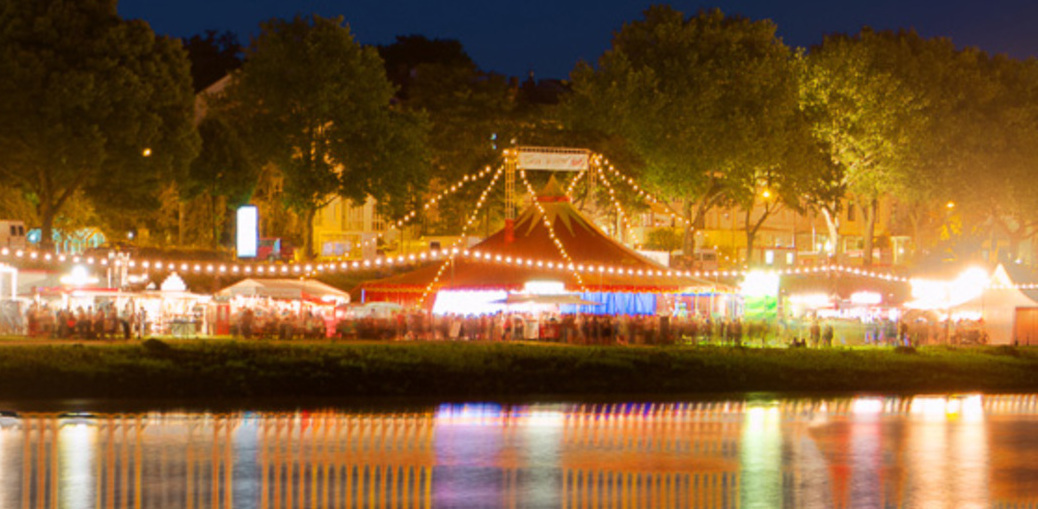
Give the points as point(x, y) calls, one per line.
point(552, 192)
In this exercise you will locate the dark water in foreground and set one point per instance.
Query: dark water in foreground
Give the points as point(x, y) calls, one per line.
point(923, 451)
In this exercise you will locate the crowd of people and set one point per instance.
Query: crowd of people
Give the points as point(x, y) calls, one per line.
point(280, 324)
point(104, 321)
point(576, 329)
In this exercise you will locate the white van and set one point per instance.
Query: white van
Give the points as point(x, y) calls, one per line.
point(706, 259)
point(12, 234)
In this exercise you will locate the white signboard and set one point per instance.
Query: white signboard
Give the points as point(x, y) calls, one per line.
point(247, 233)
point(560, 161)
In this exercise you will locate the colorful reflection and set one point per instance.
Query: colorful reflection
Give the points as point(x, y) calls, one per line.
point(941, 451)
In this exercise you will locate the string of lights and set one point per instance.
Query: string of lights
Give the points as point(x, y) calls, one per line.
point(16, 257)
point(600, 164)
point(550, 228)
point(642, 193)
point(464, 230)
point(573, 182)
point(616, 202)
point(453, 188)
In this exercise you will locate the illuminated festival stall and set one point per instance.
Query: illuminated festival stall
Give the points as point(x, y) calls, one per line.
point(996, 305)
point(280, 297)
point(172, 309)
point(842, 295)
point(548, 240)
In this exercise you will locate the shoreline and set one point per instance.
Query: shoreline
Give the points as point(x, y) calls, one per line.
point(219, 372)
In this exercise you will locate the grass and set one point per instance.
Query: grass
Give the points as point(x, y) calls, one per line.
point(230, 369)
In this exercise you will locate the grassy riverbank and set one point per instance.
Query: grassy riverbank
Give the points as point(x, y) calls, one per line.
point(217, 369)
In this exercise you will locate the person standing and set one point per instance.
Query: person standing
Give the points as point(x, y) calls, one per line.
point(827, 334)
point(125, 315)
point(142, 322)
point(815, 332)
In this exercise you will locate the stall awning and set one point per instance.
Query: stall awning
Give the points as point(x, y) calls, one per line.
point(303, 289)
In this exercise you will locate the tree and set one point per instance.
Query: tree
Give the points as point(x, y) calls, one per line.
point(405, 58)
point(784, 183)
point(212, 56)
point(882, 103)
point(223, 173)
point(664, 239)
point(318, 105)
point(467, 110)
point(994, 130)
point(92, 103)
point(696, 99)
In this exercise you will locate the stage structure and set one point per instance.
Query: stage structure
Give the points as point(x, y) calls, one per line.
point(538, 158)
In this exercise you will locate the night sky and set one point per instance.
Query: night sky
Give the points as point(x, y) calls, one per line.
point(550, 36)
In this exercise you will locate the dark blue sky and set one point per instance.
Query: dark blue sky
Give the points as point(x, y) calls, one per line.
point(549, 37)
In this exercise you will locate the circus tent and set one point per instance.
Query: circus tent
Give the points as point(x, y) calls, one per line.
point(551, 231)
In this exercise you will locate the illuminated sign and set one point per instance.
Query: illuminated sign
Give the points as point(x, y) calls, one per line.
point(553, 159)
point(866, 298)
point(544, 287)
point(247, 231)
point(760, 284)
point(78, 277)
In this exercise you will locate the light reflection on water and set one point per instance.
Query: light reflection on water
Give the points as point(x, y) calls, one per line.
point(923, 451)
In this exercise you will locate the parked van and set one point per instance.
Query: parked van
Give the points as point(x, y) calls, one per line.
point(275, 249)
point(706, 259)
point(12, 234)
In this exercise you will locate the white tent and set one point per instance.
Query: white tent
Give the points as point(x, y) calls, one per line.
point(999, 305)
point(307, 289)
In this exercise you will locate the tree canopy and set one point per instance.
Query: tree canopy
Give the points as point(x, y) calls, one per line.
point(212, 56)
point(92, 103)
point(223, 172)
point(317, 104)
point(696, 98)
point(467, 110)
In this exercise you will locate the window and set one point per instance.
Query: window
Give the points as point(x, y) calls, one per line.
point(850, 212)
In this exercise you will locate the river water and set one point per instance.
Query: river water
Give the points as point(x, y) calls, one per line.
point(921, 451)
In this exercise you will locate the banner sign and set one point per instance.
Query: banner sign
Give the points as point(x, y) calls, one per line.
point(560, 161)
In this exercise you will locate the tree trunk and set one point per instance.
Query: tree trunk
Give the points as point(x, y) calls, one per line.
point(753, 228)
point(46, 213)
point(308, 233)
point(751, 234)
point(688, 243)
point(832, 223)
point(870, 229)
point(915, 219)
point(213, 199)
point(181, 222)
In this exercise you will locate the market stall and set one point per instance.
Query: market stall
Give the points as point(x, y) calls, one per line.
point(1003, 312)
point(278, 307)
point(172, 309)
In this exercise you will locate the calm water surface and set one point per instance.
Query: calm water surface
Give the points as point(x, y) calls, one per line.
point(922, 451)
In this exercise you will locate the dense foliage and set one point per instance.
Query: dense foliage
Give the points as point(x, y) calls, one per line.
point(317, 105)
point(93, 105)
